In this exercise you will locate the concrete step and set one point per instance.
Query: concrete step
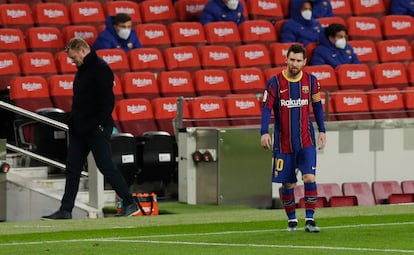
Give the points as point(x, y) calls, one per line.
point(38, 172)
point(58, 183)
point(109, 197)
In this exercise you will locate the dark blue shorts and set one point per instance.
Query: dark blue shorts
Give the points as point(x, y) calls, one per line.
point(285, 165)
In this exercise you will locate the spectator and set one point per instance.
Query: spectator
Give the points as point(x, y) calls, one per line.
point(301, 27)
point(333, 49)
point(117, 34)
point(222, 10)
point(402, 7)
point(321, 8)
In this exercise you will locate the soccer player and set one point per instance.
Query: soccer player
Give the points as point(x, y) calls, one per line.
point(290, 94)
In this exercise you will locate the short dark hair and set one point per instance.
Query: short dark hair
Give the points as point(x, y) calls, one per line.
point(296, 48)
point(120, 18)
point(334, 28)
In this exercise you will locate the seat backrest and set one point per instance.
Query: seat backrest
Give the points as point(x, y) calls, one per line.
point(394, 50)
point(140, 85)
point(383, 189)
point(117, 88)
point(153, 35)
point(189, 10)
point(17, 15)
point(64, 63)
point(176, 83)
point(374, 9)
point(243, 109)
point(222, 33)
point(392, 74)
point(30, 93)
point(187, 33)
point(146, 59)
point(116, 58)
point(131, 8)
point(182, 58)
point(326, 21)
point(361, 190)
point(386, 103)
point(342, 8)
point(351, 104)
point(407, 186)
point(366, 50)
point(37, 63)
point(257, 31)
point(61, 91)
point(87, 13)
point(327, 108)
point(354, 76)
point(44, 39)
point(12, 39)
point(9, 68)
point(87, 32)
point(364, 28)
point(250, 55)
point(216, 56)
point(51, 14)
point(410, 73)
point(278, 52)
point(270, 72)
point(326, 76)
point(208, 111)
point(211, 82)
point(247, 80)
point(329, 190)
point(165, 111)
point(398, 27)
point(158, 11)
point(265, 10)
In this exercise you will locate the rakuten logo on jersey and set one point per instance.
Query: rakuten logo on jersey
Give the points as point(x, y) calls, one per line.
point(187, 32)
point(134, 109)
point(36, 62)
point(223, 31)
point(389, 74)
point(396, 49)
point(31, 86)
point(259, 30)
point(175, 82)
point(124, 10)
point(110, 59)
point(53, 13)
point(350, 101)
point(292, 103)
point(47, 37)
point(152, 34)
point(218, 55)
point(353, 75)
point(243, 105)
point(213, 79)
point(267, 5)
point(253, 54)
point(66, 85)
point(159, 9)
point(141, 82)
point(209, 107)
point(369, 3)
point(169, 107)
point(185, 56)
point(5, 63)
point(386, 99)
point(147, 57)
point(88, 11)
point(365, 26)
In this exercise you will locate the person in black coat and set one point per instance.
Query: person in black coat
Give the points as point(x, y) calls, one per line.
point(90, 128)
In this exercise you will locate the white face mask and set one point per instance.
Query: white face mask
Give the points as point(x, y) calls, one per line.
point(307, 14)
point(124, 33)
point(341, 43)
point(232, 4)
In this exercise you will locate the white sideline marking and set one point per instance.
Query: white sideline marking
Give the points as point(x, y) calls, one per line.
point(128, 240)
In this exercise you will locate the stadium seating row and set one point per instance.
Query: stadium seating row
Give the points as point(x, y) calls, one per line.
point(360, 193)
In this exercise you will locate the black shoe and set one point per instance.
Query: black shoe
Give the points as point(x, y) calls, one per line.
point(128, 210)
point(59, 215)
point(311, 227)
point(292, 226)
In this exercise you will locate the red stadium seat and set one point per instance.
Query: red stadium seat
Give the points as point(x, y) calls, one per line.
point(333, 194)
point(243, 109)
point(252, 55)
point(321, 202)
point(270, 72)
point(131, 8)
point(398, 27)
point(326, 76)
point(392, 74)
point(257, 31)
point(136, 116)
point(16, 16)
point(176, 83)
point(361, 190)
point(64, 64)
point(386, 103)
point(407, 186)
point(326, 21)
point(374, 9)
point(51, 14)
point(408, 96)
point(9, 68)
point(146, 59)
point(12, 39)
point(182, 58)
point(187, 33)
point(189, 10)
point(87, 32)
point(342, 8)
point(366, 50)
point(87, 13)
point(44, 39)
point(410, 73)
point(364, 28)
point(153, 35)
point(208, 111)
point(117, 88)
point(354, 76)
point(339, 201)
point(351, 104)
point(216, 56)
point(278, 53)
point(400, 198)
point(211, 82)
point(37, 63)
point(327, 108)
point(116, 58)
point(397, 50)
point(247, 80)
point(140, 85)
point(270, 10)
point(222, 33)
point(158, 11)
point(383, 189)
point(61, 91)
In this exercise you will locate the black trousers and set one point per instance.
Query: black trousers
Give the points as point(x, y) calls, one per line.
point(79, 147)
